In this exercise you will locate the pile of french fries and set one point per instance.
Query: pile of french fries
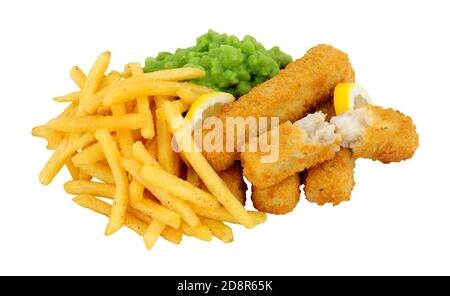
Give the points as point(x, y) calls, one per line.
point(115, 139)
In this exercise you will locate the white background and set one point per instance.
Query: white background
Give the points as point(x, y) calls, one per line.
point(397, 221)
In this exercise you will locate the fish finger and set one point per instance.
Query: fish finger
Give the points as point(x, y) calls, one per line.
point(301, 145)
point(376, 133)
point(288, 96)
point(278, 199)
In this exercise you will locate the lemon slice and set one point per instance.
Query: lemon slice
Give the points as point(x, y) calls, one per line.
point(207, 105)
point(349, 96)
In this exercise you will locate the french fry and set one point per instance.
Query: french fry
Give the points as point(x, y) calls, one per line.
point(151, 147)
point(73, 170)
point(154, 230)
point(69, 110)
point(104, 111)
point(60, 155)
point(221, 214)
point(99, 171)
point(172, 235)
point(150, 207)
point(52, 136)
point(158, 212)
point(180, 106)
point(78, 187)
point(123, 92)
point(121, 196)
point(178, 74)
point(189, 94)
point(173, 203)
point(153, 174)
point(204, 170)
point(143, 106)
point(192, 177)
point(93, 81)
point(219, 229)
point(158, 178)
point(110, 117)
point(141, 154)
point(72, 97)
point(200, 89)
point(169, 233)
point(92, 123)
point(78, 76)
point(167, 157)
point(124, 136)
point(101, 207)
point(89, 155)
point(82, 176)
point(201, 232)
point(112, 78)
point(127, 71)
point(136, 191)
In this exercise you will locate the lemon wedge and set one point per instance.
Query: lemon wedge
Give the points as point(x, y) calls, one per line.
point(207, 105)
point(349, 96)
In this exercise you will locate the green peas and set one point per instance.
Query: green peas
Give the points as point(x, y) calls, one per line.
point(230, 64)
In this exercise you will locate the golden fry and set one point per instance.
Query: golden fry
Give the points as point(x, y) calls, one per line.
point(78, 187)
point(78, 76)
point(164, 181)
point(99, 171)
point(60, 155)
point(169, 233)
point(154, 230)
point(72, 97)
point(219, 229)
point(124, 136)
point(92, 123)
point(89, 155)
point(73, 170)
point(129, 90)
point(157, 211)
point(180, 106)
point(167, 157)
point(101, 207)
point(52, 136)
point(192, 177)
point(173, 203)
point(121, 197)
point(204, 170)
point(93, 81)
point(221, 214)
point(143, 106)
point(201, 232)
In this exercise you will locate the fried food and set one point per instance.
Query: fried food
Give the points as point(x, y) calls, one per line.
point(301, 145)
point(235, 182)
point(105, 144)
point(278, 199)
point(290, 95)
point(204, 169)
point(121, 195)
point(378, 134)
point(331, 181)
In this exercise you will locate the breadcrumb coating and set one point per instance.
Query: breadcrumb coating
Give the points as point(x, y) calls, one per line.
point(385, 135)
point(331, 181)
point(295, 154)
point(291, 94)
point(278, 199)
